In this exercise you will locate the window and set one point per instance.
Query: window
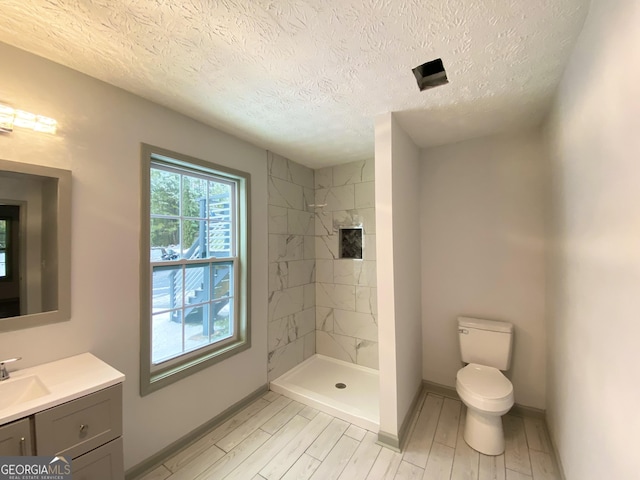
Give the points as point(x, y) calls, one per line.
point(195, 266)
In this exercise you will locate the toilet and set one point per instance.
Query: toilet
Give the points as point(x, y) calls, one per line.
point(486, 349)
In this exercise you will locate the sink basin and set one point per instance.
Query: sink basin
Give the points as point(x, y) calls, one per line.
point(35, 389)
point(21, 390)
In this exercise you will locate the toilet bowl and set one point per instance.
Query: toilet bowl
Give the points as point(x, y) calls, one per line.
point(488, 395)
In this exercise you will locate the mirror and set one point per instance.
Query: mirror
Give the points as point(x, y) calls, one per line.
point(35, 245)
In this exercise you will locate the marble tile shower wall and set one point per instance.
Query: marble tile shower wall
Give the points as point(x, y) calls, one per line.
point(291, 329)
point(346, 315)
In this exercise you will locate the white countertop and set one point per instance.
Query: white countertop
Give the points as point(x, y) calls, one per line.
point(66, 380)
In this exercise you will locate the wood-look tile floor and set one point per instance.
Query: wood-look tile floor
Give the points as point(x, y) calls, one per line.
point(278, 438)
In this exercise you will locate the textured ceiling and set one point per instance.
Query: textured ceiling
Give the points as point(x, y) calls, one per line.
point(305, 78)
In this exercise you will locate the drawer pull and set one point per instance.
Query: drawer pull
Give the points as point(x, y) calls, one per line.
point(83, 428)
point(22, 451)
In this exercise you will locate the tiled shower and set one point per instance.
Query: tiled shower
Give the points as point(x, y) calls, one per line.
point(319, 302)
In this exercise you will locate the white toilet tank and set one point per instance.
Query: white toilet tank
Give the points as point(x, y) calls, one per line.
point(486, 342)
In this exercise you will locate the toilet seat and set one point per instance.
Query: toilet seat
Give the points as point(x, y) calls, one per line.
point(484, 388)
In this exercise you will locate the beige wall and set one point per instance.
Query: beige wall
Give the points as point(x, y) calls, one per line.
point(594, 291)
point(101, 128)
point(482, 243)
point(398, 274)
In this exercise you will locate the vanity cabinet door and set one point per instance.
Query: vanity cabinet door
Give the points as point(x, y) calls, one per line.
point(15, 439)
point(104, 463)
point(81, 425)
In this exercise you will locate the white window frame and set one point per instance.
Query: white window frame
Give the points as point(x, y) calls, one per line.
point(155, 376)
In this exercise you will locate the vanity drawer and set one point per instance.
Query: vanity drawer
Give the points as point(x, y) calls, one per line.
point(81, 425)
point(104, 463)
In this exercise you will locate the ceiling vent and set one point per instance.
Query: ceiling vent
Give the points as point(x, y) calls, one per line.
point(430, 74)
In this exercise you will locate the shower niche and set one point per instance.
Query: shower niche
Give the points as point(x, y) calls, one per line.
point(350, 243)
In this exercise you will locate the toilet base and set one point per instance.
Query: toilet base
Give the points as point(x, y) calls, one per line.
point(484, 432)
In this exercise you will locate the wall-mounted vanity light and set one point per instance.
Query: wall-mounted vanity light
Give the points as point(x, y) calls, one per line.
point(7, 115)
point(10, 117)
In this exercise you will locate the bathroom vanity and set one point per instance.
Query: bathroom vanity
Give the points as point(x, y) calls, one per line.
point(72, 408)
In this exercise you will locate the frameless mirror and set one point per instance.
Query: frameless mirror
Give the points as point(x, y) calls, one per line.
point(35, 245)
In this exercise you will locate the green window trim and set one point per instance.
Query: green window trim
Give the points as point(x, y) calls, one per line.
point(154, 376)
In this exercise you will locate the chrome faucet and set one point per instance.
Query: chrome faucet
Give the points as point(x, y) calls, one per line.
point(4, 374)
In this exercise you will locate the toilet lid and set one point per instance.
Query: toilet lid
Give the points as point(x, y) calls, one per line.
point(487, 382)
